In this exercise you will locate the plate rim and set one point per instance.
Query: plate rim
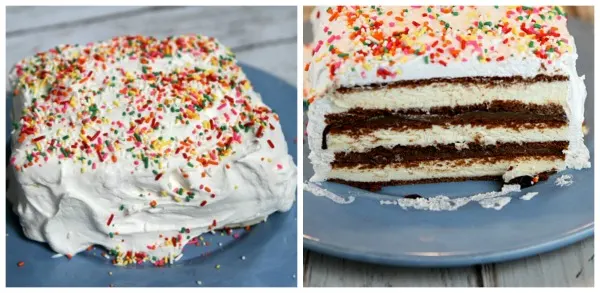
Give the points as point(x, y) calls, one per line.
point(468, 259)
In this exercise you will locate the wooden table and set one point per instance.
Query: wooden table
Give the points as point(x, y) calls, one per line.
point(264, 37)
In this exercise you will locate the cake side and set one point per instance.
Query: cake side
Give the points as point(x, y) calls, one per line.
point(140, 144)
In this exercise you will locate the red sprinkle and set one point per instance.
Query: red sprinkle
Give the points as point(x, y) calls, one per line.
point(110, 219)
point(203, 203)
point(270, 143)
point(259, 132)
point(158, 176)
point(39, 138)
point(21, 263)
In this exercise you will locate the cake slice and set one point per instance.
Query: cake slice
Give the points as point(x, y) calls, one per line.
point(140, 145)
point(433, 94)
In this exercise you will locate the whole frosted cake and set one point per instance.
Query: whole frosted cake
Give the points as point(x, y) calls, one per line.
point(139, 145)
point(429, 94)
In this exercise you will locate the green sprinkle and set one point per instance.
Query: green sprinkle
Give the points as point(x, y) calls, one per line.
point(558, 10)
point(426, 59)
point(65, 137)
point(137, 137)
point(531, 44)
point(455, 13)
point(190, 164)
point(343, 55)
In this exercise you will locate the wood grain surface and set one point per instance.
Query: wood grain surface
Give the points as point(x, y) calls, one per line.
point(261, 36)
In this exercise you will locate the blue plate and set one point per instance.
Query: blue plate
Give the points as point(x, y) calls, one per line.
point(264, 256)
point(365, 230)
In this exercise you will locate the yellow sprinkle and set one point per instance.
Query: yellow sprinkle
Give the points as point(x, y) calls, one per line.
point(72, 102)
point(177, 199)
point(235, 187)
point(163, 193)
point(82, 170)
point(116, 103)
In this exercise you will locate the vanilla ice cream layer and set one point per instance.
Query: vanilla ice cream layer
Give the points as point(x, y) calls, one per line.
point(452, 95)
point(460, 135)
point(462, 168)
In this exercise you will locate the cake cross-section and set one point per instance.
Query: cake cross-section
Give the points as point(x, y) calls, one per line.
point(431, 94)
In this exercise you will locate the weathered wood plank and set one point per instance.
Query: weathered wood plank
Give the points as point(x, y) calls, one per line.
point(279, 60)
point(572, 266)
point(242, 28)
point(21, 18)
point(326, 271)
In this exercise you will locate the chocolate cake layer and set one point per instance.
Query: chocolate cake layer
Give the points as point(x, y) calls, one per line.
point(356, 127)
point(550, 109)
point(375, 186)
point(380, 156)
point(487, 81)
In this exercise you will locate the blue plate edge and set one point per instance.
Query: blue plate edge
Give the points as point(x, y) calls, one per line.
point(449, 261)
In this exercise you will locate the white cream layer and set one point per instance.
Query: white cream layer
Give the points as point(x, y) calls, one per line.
point(448, 169)
point(452, 95)
point(458, 135)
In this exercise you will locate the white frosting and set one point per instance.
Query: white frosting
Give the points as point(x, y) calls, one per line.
point(529, 195)
point(518, 60)
point(564, 180)
point(68, 203)
point(493, 199)
point(317, 190)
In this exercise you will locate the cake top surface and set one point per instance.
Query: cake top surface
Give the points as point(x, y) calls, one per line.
point(358, 45)
point(127, 141)
point(135, 98)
